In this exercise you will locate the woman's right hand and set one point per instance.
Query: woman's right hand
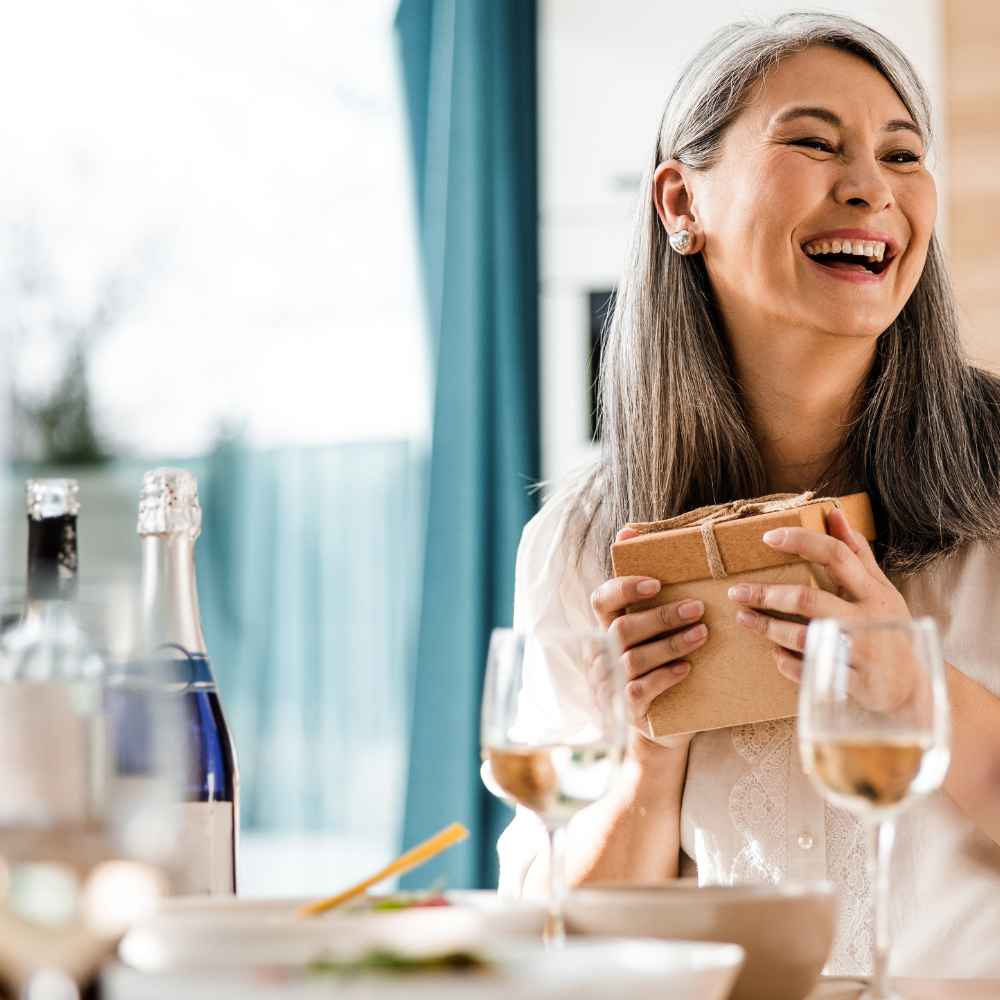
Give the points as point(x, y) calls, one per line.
point(655, 644)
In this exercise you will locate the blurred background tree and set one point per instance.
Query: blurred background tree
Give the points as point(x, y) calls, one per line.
point(60, 429)
point(52, 335)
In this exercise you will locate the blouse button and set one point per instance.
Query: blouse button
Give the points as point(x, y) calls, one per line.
point(805, 841)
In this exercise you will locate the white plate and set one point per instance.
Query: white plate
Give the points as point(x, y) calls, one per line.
point(585, 970)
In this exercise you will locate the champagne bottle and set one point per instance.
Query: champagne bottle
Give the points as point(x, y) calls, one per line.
point(169, 524)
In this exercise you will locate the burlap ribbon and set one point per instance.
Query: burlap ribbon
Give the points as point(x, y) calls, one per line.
point(707, 517)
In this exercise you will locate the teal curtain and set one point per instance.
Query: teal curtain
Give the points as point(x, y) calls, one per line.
point(307, 571)
point(469, 69)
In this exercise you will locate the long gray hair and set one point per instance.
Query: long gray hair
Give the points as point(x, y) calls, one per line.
point(925, 436)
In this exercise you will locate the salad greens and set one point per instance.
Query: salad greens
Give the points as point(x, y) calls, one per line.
point(392, 962)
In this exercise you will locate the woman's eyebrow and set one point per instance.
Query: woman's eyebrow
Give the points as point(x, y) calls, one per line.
point(902, 125)
point(832, 118)
point(823, 114)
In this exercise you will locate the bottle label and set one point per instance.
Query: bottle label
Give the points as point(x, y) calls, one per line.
point(205, 849)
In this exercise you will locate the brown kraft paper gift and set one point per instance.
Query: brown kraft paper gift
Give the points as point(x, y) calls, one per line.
point(701, 554)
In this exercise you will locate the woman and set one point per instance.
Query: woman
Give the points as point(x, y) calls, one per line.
point(785, 323)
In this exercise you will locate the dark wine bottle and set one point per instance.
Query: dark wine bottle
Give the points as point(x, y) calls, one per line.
point(52, 507)
point(169, 524)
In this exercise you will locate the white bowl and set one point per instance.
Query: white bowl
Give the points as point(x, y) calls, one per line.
point(246, 933)
point(786, 930)
point(198, 931)
point(584, 970)
point(502, 916)
point(674, 970)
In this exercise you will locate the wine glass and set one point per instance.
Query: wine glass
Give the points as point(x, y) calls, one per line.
point(874, 735)
point(545, 752)
point(87, 822)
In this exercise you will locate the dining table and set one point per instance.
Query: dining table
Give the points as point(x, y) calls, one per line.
point(912, 989)
point(139, 987)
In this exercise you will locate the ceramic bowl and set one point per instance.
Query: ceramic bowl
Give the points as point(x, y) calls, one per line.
point(227, 930)
point(232, 933)
point(786, 930)
point(500, 916)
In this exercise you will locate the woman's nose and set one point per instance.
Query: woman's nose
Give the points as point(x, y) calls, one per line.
point(862, 184)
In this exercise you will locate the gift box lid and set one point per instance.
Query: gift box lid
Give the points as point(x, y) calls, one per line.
point(684, 548)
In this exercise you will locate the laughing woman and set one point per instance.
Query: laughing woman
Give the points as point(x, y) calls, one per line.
point(785, 323)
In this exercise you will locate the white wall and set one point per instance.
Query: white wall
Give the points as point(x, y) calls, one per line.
point(605, 69)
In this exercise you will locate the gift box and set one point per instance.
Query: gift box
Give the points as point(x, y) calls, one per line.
point(700, 555)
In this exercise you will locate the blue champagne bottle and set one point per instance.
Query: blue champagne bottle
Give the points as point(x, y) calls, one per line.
point(169, 525)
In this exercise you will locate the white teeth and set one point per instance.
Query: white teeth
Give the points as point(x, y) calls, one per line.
point(873, 250)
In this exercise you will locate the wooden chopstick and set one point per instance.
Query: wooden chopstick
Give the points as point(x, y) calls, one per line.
point(413, 858)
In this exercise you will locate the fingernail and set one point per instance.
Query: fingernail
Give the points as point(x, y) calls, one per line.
point(690, 610)
point(741, 592)
point(696, 633)
point(746, 618)
point(681, 668)
point(649, 587)
point(774, 537)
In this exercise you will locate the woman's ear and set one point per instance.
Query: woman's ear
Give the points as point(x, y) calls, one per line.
point(673, 198)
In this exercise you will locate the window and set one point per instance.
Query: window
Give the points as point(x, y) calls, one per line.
point(208, 255)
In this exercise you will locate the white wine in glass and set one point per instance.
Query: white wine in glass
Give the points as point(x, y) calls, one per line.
point(874, 735)
point(872, 774)
point(540, 752)
point(555, 782)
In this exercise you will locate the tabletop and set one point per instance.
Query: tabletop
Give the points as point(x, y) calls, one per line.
point(913, 989)
point(123, 984)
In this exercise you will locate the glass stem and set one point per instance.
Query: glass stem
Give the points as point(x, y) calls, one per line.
point(885, 835)
point(554, 934)
point(50, 984)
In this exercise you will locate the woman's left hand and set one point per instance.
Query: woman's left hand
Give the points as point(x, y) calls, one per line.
point(863, 590)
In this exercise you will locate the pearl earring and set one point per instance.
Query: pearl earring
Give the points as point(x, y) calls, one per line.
point(681, 241)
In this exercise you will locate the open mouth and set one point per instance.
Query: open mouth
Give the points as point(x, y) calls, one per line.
point(862, 256)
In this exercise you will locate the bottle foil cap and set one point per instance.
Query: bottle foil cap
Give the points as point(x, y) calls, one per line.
point(169, 503)
point(51, 498)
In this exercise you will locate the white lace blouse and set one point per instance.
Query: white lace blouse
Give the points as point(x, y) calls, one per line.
point(750, 814)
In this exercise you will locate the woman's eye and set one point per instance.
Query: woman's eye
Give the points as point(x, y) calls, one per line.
point(903, 156)
point(820, 144)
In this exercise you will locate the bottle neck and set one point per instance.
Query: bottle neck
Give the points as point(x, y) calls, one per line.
point(170, 592)
point(52, 559)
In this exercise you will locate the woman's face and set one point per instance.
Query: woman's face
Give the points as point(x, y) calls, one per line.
point(826, 153)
